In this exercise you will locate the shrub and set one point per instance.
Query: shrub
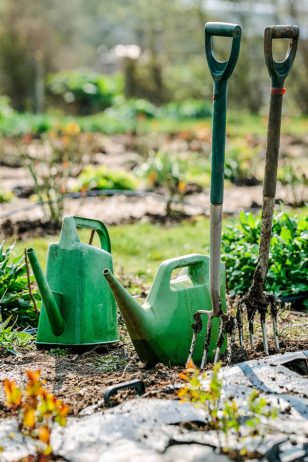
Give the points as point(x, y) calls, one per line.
point(85, 91)
point(58, 157)
point(100, 178)
point(288, 263)
point(15, 300)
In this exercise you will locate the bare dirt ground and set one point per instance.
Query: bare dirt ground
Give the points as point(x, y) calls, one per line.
point(125, 152)
point(81, 379)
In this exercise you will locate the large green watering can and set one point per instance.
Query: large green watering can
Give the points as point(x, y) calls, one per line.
point(78, 308)
point(161, 329)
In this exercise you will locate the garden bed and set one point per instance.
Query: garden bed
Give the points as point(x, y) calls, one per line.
point(80, 380)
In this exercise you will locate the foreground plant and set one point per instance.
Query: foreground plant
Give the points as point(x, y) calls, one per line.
point(36, 411)
point(11, 339)
point(230, 420)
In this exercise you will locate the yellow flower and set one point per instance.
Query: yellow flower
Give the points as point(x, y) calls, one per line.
point(71, 129)
point(12, 393)
point(29, 418)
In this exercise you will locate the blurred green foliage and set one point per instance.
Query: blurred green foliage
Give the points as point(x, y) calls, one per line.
point(36, 40)
point(5, 196)
point(100, 178)
point(84, 92)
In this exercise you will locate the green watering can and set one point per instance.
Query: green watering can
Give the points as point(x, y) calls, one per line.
point(161, 329)
point(78, 308)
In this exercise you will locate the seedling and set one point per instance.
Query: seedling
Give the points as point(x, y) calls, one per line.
point(226, 416)
point(36, 411)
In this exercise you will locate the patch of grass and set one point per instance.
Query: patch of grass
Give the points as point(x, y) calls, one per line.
point(111, 362)
point(139, 248)
point(58, 352)
point(239, 123)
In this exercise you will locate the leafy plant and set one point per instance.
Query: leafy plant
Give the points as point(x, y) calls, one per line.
point(100, 178)
point(225, 416)
point(36, 411)
point(288, 263)
point(161, 170)
point(12, 339)
point(15, 299)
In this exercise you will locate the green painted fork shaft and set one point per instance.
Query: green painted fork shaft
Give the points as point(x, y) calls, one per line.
point(218, 142)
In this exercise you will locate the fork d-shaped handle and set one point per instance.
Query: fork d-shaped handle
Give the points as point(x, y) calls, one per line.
point(220, 71)
point(279, 71)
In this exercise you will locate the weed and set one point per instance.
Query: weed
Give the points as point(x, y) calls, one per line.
point(11, 340)
point(111, 362)
point(225, 416)
point(36, 411)
point(59, 352)
point(161, 170)
point(51, 162)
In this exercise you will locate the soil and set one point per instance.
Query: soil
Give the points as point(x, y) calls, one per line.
point(24, 218)
point(80, 379)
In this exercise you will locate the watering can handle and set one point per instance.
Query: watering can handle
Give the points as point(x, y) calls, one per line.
point(279, 71)
point(97, 226)
point(221, 71)
point(166, 268)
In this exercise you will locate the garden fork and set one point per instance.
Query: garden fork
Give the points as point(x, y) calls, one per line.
point(256, 299)
point(221, 72)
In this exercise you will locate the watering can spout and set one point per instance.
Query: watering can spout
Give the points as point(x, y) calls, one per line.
point(50, 303)
point(135, 316)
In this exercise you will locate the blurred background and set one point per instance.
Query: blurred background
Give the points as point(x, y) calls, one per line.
point(78, 56)
point(103, 97)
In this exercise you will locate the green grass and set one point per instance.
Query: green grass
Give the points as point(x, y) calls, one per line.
point(139, 248)
point(239, 124)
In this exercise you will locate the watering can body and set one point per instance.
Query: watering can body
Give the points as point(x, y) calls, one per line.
point(73, 275)
point(161, 329)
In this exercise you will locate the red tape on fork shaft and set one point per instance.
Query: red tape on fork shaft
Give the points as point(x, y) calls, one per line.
point(278, 91)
